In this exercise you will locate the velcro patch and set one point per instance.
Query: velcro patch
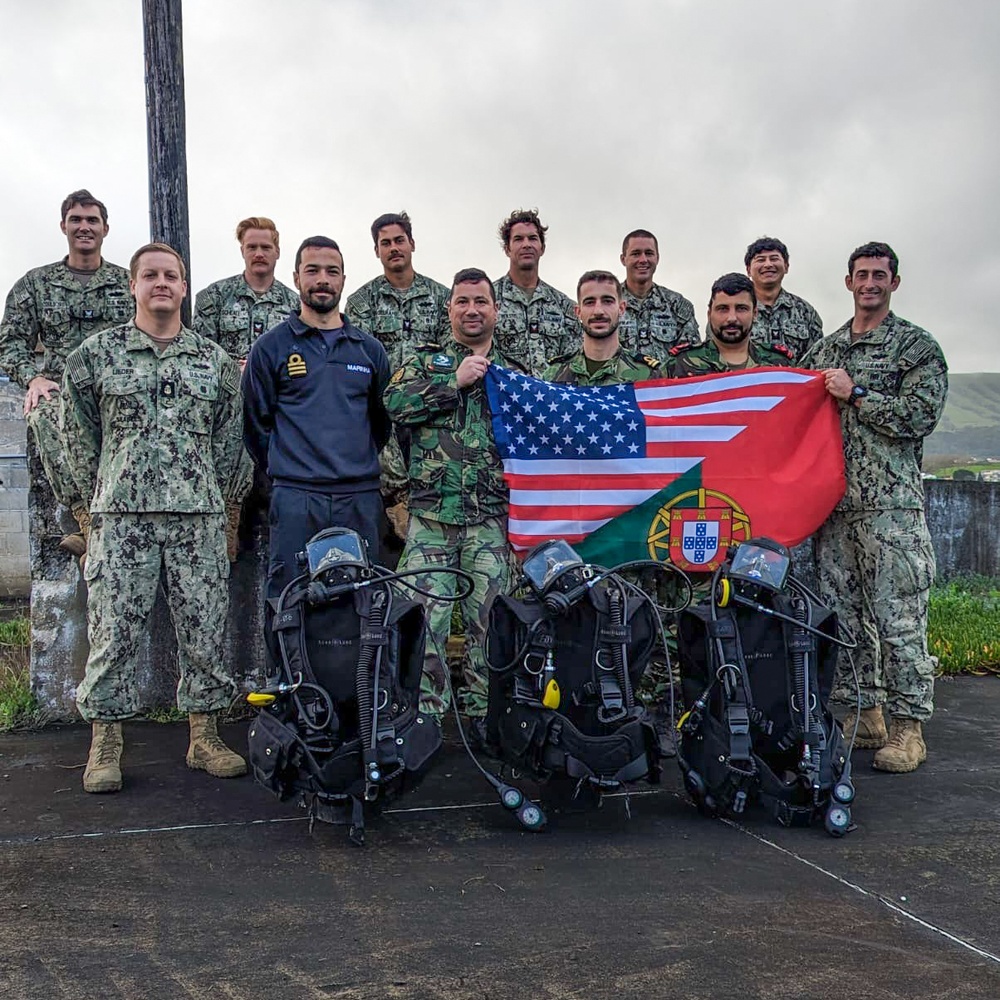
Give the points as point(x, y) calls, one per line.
point(78, 371)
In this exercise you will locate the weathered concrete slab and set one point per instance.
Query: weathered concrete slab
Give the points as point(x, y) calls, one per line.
point(184, 886)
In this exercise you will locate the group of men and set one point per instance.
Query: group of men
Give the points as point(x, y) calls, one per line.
point(150, 433)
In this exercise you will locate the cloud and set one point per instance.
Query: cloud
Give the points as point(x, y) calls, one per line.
point(708, 123)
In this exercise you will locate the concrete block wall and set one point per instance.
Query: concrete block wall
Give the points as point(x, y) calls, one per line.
point(15, 578)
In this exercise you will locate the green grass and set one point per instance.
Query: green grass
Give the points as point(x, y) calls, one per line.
point(963, 625)
point(948, 471)
point(18, 707)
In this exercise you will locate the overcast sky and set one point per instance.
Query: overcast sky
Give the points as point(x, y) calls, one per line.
point(709, 123)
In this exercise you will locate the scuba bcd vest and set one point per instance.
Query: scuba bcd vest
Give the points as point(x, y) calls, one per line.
point(343, 728)
point(757, 662)
point(563, 676)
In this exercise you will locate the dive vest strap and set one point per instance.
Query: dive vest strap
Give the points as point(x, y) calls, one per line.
point(287, 619)
point(373, 635)
point(612, 707)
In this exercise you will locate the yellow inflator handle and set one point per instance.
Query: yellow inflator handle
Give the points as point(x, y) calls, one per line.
point(552, 695)
point(259, 699)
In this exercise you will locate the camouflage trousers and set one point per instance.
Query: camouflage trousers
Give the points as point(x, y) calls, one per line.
point(43, 422)
point(667, 592)
point(394, 481)
point(482, 551)
point(127, 554)
point(875, 569)
point(242, 482)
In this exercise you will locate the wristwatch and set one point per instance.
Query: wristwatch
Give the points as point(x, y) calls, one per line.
point(858, 392)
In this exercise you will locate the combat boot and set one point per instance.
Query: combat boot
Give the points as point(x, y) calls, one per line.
point(905, 749)
point(871, 728)
point(232, 529)
point(104, 772)
point(207, 752)
point(76, 543)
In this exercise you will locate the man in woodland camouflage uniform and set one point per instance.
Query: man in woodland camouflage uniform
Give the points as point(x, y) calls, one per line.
point(599, 361)
point(234, 312)
point(55, 308)
point(874, 553)
point(458, 498)
point(656, 318)
point(401, 309)
point(729, 346)
point(154, 412)
point(782, 318)
point(536, 322)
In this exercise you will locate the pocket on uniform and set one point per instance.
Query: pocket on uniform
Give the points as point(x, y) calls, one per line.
point(199, 405)
point(92, 568)
point(913, 564)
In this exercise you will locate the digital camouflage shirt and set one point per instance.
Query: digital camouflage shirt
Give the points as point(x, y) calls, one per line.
point(534, 326)
point(687, 360)
point(456, 475)
point(624, 366)
point(790, 321)
point(50, 313)
point(153, 432)
point(401, 320)
point(906, 376)
point(654, 324)
point(232, 314)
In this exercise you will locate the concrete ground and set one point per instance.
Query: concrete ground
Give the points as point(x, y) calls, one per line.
point(184, 886)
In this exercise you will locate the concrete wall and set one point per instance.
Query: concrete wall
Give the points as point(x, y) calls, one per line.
point(15, 580)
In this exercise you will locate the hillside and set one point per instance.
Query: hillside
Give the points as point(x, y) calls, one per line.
point(970, 426)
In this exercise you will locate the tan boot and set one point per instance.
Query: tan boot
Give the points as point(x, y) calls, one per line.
point(233, 509)
point(104, 772)
point(77, 542)
point(905, 750)
point(871, 728)
point(208, 753)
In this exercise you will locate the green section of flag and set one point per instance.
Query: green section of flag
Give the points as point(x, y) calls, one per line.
point(624, 538)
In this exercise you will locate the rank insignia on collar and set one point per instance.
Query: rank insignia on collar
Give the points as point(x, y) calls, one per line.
point(296, 366)
point(442, 363)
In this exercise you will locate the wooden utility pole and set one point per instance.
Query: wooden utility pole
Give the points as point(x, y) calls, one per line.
point(165, 131)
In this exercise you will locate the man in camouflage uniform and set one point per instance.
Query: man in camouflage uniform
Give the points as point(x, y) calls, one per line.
point(49, 312)
point(401, 309)
point(458, 498)
point(729, 346)
point(874, 554)
point(782, 318)
point(600, 361)
point(537, 322)
point(234, 312)
point(153, 409)
point(655, 318)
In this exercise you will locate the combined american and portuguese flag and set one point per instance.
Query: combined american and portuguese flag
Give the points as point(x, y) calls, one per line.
point(674, 469)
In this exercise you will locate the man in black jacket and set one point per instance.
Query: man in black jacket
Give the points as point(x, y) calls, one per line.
point(313, 415)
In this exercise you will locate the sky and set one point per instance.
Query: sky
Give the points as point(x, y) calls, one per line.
point(708, 122)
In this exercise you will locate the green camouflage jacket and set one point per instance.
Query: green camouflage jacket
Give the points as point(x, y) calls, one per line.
point(687, 360)
point(622, 367)
point(232, 314)
point(661, 320)
point(401, 320)
point(906, 376)
point(456, 475)
point(790, 321)
point(152, 432)
point(533, 328)
point(49, 308)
